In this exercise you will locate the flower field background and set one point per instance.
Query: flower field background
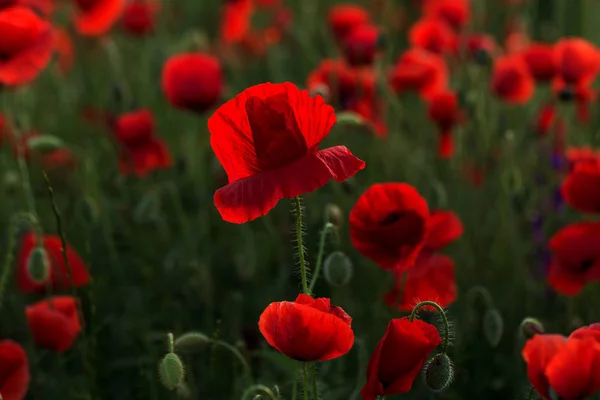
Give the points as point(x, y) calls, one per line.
point(488, 109)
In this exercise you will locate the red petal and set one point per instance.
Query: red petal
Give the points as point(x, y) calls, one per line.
point(14, 371)
point(443, 227)
point(100, 18)
point(537, 353)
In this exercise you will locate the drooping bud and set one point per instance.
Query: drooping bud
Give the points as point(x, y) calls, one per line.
point(171, 371)
point(38, 265)
point(338, 269)
point(438, 372)
point(192, 342)
point(531, 327)
point(493, 326)
point(334, 215)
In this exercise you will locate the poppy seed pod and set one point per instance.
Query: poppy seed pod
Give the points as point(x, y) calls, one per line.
point(338, 269)
point(171, 371)
point(38, 265)
point(438, 372)
point(531, 327)
point(334, 215)
point(493, 326)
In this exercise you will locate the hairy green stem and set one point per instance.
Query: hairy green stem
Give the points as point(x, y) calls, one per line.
point(300, 244)
point(305, 380)
point(258, 388)
point(413, 314)
point(328, 226)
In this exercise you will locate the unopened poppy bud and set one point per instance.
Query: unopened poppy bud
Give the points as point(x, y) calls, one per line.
point(171, 371)
point(338, 269)
point(334, 215)
point(12, 182)
point(438, 372)
point(38, 265)
point(44, 143)
point(192, 342)
point(493, 326)
point(531, 327)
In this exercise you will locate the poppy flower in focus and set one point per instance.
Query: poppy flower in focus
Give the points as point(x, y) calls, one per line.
point(344, 18)
point(456, 13)
point(193, 81)
point(388, 225)
point(511, 80)
point(399, 357)
point(139, 17)
point(421, 71)
point(26, 46)
point(540, 60)
point(141, 150)
point(97, 17)
point(592, 331)
point(444, 111)
point(14, 371)
point(575, 257)
point(362, 45)
point(54, 322)
point(433, 35)
point(581, 187)
point(54, 270)
point(267, 139)
point(236, 20)
point(307, 329)
point(576, 61)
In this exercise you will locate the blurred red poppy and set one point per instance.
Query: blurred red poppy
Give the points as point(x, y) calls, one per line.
point(362, 44)
point(97, 17)
point(399, 357)
point(481, 44)
point(56, 274)
point(193, 81)
point(444, 111)
point(433, 35)
point(141, 150)
point(575, 257)
point(421, 71)
point(308, 329)
point(576, 61)
point(546, 120)
point(267, 139)
point(343, 18)
point(581, 187)
point(14, 371)
point(511, 80)
point(139, 17)
point(26, 45)
point(586, 154)
point(236, 20)
point(540, 60)
point(54, 323)
point(388, 225)
point(457, 13)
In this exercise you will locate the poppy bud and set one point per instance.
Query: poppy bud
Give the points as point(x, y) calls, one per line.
point(44, 143)
point(338, 269)
point(334, 215)
point(438, 372)
point(12, 182)
point(192, 342)
point(171, 371)
point(38, 265)
point(531, 327)
point(493, 326)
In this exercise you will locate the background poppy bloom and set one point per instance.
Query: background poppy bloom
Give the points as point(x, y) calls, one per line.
point(576, 61)
point(139, 17)
point(343, 18)
point(97, 17)
point(433, 35)
point(399, 357)
point(362, 44)
point(57, 269)
point(14, 371)
point(267, 139)
point(26, 45)
point(581, 187)
point(388, 225)
point(481, 46)
point(421, 71)
point(54, 322)
point(444, 111)
point(456, 13)
point(193, 81)
point(540, 60)
point(237, 19)
point(511, 80)
point(308, 329)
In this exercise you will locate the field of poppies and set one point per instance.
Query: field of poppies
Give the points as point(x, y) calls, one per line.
point(299, 199)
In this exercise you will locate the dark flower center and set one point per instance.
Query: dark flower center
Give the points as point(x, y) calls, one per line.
point(586, 265)
point(86, 5)
point(392, 218)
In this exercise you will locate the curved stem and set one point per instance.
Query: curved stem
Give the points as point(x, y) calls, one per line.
point(258, 388)
point(305, 380)
point(484, 293)
point(300, 244)
point(413, 314)
point(237, 354)
point(328, 226)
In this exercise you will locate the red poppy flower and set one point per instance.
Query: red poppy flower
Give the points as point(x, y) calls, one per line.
point(444, 111)
point(14, 371)
point(139, 17)
point(421, 71)
point(586, 154)
point(581, 188)
point(511, 80)
point(236, 22)
point(343, 18)
point(388, 225)
point(267, 139)
point(56, 273)
point(479, 43)
point(537, 353)
point(575, 257)
point(141, 150)
point(97, 17)
point(193, 81)
point(362, 44)
point(540, 60)
point(443, 228)
point(456, 13)
point(308, 329)
point(433, 35)
point(26, 45)
point(576, 61)
point(399, 357)
point(591, 331)
point(516, 42)
point(54, 322)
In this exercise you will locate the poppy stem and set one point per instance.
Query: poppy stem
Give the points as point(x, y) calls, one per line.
point(413, 314)
point(484, 293)
point(313, 372)
point(300, 244)
point(237, 354)
point(328, 226)
point(170, 343)
point(305, 380)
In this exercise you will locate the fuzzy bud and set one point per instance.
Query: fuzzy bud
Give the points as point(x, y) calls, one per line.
point(493, 326)
point(334, 215)
point(171, 371)
point(192, 342)
point(438, 372)
point(531, 327)
point(38, 265)
point(338, 269)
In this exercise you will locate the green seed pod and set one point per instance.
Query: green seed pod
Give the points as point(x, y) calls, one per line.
point(531, 327)
point(334, 215)
point(171, 371)
point(192, 342)
point(338, 269)
point(438, 372)
point(493, 326)
point(38, 265)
